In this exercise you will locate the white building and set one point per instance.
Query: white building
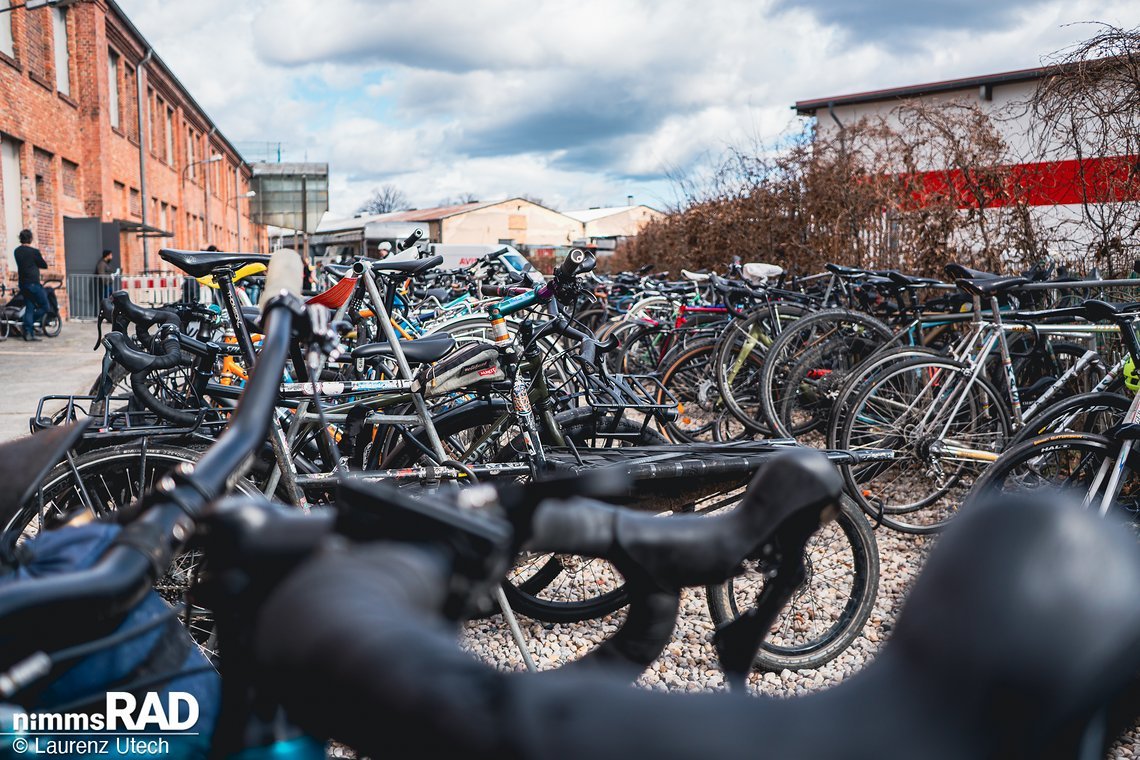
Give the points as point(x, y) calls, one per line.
point(1049, 176)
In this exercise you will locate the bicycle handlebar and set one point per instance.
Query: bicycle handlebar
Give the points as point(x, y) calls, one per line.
point(411, 240)
point(360, 626)
point(787, 500)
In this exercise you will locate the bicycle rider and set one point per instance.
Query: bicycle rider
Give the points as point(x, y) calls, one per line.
point(29, 262)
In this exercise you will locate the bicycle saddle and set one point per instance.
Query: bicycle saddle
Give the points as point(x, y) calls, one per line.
point(759, 274)
point(202, 263)
point(910, 281)
point(990, 286)
point(408, 267)
point(427, 349)
point(843, 271)
point(959, 272)
point(695, 276)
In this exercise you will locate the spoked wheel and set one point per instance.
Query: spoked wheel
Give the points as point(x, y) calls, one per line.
point(690, 375)
point(740, 359)
point(1072, 463)
point(103, 481)
point(944, 431)
point(559, 588)
point(816, 351)
point(829, 609)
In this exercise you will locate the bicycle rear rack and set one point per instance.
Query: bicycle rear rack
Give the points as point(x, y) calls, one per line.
point(117, 420)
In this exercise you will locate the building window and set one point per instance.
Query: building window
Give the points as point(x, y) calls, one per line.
point(6, 46)
point(10, 189)
point(170, 136)
point(121, 199)
point(136, 203)
point(62, 55)
point(113, 87)
point(70, 173)
point(191, 170)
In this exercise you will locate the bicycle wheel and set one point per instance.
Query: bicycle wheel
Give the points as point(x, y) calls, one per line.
point(551, 588)
point(740, 360)
point(1083, 413)
point(1067, 462)
point(691, 377)
point(859, 377)
point(641, 349)
point(828, 611)
point(943, 429)
point(842, 338)
point(103, 481)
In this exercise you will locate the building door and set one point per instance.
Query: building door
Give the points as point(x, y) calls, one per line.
point(10, 184)
point(82, 246)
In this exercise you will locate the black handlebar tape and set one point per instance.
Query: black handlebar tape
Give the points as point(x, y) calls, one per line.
point(412, 239)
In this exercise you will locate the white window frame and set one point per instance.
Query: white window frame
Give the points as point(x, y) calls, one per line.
point(62, 50)
point(170, 135)
point(113, 104)
point(7, 43)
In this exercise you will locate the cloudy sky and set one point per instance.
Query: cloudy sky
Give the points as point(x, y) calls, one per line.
point(580, 103)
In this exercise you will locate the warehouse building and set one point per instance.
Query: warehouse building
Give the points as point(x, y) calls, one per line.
point(1046, 174)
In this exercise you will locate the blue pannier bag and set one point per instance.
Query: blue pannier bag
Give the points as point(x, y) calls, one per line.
point(161, 660)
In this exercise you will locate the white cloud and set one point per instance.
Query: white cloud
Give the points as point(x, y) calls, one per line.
point(579, 103)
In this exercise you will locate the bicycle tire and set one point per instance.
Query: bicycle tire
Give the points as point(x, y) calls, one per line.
point(1066, 462)
point(776, 654)
point(1094, 412)
point(863, 374)
point(738, 375)
point(701, 414)
point(108, 474)
point(921, 383)
point(525, 600)
point(832, 324)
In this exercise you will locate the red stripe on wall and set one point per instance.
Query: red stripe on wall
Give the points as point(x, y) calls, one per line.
point(1047, 183)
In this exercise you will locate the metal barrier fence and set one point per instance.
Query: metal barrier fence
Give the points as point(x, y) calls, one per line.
point(86, 291)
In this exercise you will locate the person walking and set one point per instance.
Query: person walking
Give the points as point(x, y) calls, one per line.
point(29, 262)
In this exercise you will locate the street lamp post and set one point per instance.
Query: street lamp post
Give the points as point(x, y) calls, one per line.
point(205, 185)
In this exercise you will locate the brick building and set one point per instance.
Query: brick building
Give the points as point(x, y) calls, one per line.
point(85, 167)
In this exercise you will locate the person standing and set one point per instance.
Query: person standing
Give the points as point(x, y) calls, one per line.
point(104, 270)
point(29, 262)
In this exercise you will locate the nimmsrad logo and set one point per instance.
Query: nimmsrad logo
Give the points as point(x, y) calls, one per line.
point(122, 710)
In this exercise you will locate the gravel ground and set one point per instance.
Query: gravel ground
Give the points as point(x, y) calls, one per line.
point(688, 664)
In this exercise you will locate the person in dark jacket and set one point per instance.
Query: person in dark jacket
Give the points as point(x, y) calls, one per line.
point(29, 262)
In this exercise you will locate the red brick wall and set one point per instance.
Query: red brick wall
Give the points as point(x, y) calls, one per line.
point(90, 169)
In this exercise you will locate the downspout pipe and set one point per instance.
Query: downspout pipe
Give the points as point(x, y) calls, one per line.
point(140, 70)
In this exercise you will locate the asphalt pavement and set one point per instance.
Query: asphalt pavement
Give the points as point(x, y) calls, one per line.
point(51, 366)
